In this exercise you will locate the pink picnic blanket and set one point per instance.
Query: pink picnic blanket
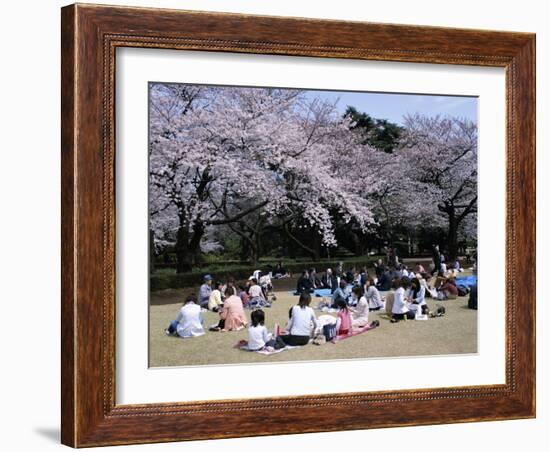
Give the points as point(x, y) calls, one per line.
point(355, 332)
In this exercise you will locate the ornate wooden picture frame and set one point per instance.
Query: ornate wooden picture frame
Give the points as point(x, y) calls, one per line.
point(90, 37)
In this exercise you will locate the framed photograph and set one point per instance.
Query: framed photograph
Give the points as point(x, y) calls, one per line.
point(280, 225)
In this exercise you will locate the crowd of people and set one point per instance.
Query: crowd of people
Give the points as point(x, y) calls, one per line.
point(353, 294)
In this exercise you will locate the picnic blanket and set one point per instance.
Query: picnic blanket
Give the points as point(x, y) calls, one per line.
point(467, 281)
point(320, 292)
point(354, 333)
point(243, 345)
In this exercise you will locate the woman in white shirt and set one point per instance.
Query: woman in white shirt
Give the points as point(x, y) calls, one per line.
point(401, 308)
point(302, 322)
point(360, 313)
point(257, 298)
point(373, 296)
point(188, 322)
point(418, 296)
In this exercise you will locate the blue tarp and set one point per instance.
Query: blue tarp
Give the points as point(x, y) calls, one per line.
point(321, 292)
point(467, 281)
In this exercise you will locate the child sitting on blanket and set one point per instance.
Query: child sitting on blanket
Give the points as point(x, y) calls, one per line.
point(343, 320)
point(258, 336)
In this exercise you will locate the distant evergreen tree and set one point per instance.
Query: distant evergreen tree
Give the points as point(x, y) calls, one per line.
point(379, 133)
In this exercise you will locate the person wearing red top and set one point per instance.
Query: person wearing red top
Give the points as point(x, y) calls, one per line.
point(343, 320)
point(449, 289)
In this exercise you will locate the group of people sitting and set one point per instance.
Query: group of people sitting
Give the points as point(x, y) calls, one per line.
point(227, 299)
point(302, 325)
point(253, 294)
point(353, 295)
point(407, 287)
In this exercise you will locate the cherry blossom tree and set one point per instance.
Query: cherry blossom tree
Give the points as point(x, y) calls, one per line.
point(245, 158)
point(440, 155)
point(250, 162)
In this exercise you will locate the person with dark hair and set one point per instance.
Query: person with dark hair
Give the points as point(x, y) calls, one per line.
point(304, 284)
point(243, 294)
point(257, 297)
point(232, 312)
point(215, 301)
point(379, 268)
point(363, 276)
point(401, 310)
point(329, 281)
point(350, 275)
point(258, 336)
point(449, 289)
point(188, 322)
point(343, 319)
point(418, 296)
point(314, 281)
point(342, 292)
point(393, 259)
point(302, 322)
point(360, 313)
point(384, 281)
point(372, 295)
point(436, 257)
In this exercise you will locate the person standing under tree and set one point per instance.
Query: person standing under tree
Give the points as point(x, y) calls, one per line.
point(436, 256)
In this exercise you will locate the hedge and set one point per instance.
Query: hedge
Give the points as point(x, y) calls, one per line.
point(160, 281)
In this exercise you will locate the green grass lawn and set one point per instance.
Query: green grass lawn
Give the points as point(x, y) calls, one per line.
point(452, 334)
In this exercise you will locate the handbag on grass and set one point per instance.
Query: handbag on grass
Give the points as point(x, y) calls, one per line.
point(329, 331)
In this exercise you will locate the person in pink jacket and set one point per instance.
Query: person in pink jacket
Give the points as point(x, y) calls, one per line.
point(233, 312)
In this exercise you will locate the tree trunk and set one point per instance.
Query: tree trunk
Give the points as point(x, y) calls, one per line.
point(452, 239)
point(188, 247)
point(307, 249)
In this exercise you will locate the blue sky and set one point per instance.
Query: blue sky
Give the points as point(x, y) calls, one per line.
point(394, 106)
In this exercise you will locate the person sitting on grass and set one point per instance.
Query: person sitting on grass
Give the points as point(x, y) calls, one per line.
point(329, 281)
point(188, 322)
point(379, 268)
point(439, 280)
point(302, 322)
point(258, 336)
point(385, 281)
point(343, 319)
point(342, 292)
point(281, 271)
point(360, 313)
point(350, 275)
point(230, 283)
point(373, 296)
point(304, 284)
point(449, 289)
point(232, 312)
point(243, 294)
point(215, 302)
point(205, 291)
point(401, 309)
point(313, 279)
point(257, 297)
point(418, 296)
